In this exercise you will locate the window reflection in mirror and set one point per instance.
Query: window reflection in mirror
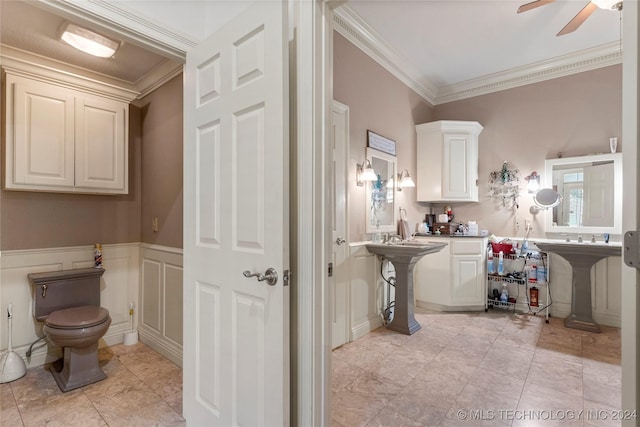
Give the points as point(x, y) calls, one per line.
point(590, 187)
point(380, 199)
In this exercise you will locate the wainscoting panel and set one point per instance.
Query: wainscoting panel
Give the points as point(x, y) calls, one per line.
point(119, 287)
point(161, 295)
point(365, 292)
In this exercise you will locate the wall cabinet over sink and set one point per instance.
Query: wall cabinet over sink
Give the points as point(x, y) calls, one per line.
point(447, 154)
point(60, 138)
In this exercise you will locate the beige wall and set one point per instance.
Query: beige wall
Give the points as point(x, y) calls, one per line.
point(30, 220)
point(575, 115)
point(379, 102)
point(524, 126)
point(162, 164)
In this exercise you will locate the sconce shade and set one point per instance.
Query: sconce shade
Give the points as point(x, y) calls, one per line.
point(404, 180)
point(89, 42)
point(533, 182)
point(365, 172)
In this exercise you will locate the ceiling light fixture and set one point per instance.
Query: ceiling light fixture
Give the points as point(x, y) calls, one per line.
point(608, 4)
point(89, 42)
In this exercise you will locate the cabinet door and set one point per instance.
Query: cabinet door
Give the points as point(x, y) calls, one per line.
point(432, 276)
point(468, 280)
point(456, 176)
point(101, 145)
point(40, 134)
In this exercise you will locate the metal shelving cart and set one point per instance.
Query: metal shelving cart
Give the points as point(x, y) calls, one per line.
point(515, 277)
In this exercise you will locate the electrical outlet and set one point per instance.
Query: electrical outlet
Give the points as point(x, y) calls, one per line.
point(154, 224)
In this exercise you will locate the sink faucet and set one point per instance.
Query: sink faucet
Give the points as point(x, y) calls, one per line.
point(579, 239)
point(566, 235)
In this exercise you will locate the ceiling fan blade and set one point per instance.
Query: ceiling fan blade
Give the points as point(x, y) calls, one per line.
point(578, 19)
point(533, 5)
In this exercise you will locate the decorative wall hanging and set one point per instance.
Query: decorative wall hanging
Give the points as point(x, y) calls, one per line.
point(504, 186)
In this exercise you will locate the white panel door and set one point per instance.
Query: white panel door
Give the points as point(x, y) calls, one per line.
point(43, 135)
point(339, 281)
point(236, 336)
point(101, 144)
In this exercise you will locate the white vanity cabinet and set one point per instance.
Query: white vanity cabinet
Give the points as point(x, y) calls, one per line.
point(62, 139)
point(454, 278)
point(447, 153)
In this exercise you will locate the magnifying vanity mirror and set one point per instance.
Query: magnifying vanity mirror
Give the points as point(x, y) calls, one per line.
point(546, 198)
point(587, 193)
point(380, 194)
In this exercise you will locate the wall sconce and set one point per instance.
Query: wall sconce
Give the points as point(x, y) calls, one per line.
point(365, 172)
point(533, 182)
point(404, 180)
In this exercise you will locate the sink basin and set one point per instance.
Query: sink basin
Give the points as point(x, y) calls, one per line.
point(581, 256)
point(404, 255)
point(405, 250)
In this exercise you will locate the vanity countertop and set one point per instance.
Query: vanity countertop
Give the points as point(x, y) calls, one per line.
point(462, 236)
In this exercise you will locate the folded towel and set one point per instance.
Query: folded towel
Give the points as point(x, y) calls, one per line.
point(403, 229)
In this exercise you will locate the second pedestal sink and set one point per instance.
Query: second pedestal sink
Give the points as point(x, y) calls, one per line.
point(403, 256)
point(581, 256)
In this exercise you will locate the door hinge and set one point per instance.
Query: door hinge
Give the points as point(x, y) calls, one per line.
point(330, 269)
point(631, 249)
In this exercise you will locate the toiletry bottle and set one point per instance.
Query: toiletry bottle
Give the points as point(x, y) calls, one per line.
point(491, 268)
point(504, 297)
point(533, 296)
point(501, 264)
point(97, 256)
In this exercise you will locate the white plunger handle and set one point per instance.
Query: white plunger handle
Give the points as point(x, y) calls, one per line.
point(10, 310)
point(10, 315)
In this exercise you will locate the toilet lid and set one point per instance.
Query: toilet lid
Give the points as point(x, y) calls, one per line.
point(77, 317)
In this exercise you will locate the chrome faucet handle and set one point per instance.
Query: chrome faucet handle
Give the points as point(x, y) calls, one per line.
point(579, 239)
point(593, 238)
point(566, 235)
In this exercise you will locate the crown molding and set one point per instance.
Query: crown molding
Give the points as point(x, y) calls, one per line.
point(51, 71)
point(350, 25)
point(577, 62)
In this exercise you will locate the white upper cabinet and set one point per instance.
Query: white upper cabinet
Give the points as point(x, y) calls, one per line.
point(62, 139)
point(448, 161)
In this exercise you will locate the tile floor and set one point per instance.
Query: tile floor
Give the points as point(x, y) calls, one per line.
point(142, 389)
point(491, 368)
point(487, 369)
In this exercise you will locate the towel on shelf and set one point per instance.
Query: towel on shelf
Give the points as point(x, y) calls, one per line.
point(403, 229)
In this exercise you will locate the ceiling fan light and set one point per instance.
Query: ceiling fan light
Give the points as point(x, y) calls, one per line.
point(608, 4)
point(89, 42)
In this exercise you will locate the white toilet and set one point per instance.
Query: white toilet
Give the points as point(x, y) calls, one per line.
point(68, 301)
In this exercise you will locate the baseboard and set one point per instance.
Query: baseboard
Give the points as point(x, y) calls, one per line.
point(448, 308)
point(167, 348)
point(365, 327)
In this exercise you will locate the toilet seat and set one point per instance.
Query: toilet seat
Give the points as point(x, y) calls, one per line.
point(84, 316)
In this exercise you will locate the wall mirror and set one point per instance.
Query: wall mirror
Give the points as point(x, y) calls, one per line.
point(591, 191)
point(380, 194)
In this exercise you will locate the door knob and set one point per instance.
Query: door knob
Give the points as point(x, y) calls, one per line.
point(270, 276)
point(340, 240)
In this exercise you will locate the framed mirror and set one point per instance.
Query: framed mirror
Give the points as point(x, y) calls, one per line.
point(380, 211)
point(591, 192)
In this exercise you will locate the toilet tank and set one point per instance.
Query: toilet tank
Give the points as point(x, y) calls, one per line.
point(56, 290)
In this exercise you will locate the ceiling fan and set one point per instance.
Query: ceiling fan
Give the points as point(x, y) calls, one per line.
point(581, 16)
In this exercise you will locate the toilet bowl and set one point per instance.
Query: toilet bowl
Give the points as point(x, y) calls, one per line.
point(68, 302)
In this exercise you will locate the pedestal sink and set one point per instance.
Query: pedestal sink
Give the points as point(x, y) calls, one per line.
point(404, 256)
point(581, 256)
